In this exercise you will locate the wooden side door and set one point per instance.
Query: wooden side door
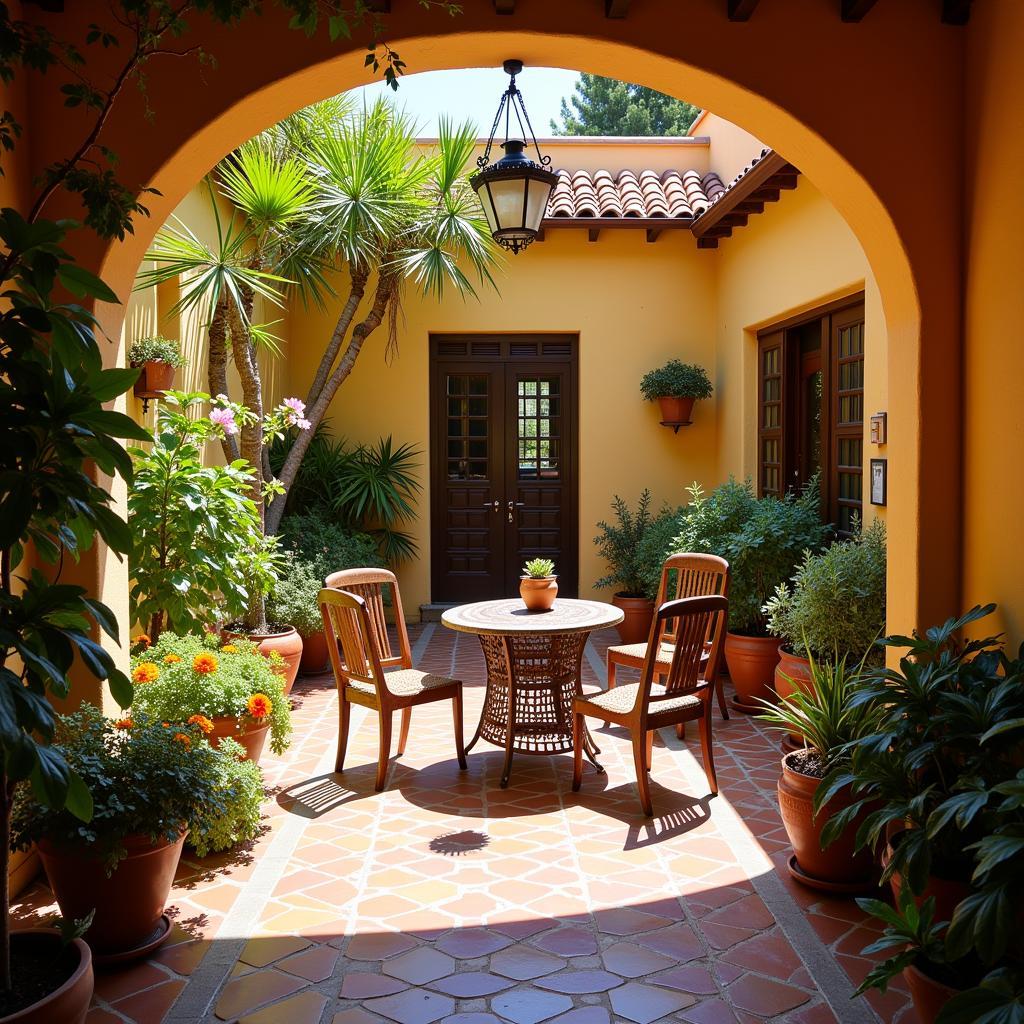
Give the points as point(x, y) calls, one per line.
point(468, 456)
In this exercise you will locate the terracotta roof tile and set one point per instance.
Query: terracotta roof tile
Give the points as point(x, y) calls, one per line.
point(643, 194)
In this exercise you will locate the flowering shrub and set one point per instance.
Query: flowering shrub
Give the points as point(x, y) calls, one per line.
point(145, 778)
point(157, 349)
point(238, 821)
point(213, 680)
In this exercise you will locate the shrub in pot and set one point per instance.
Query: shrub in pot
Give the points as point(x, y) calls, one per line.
point(763, 540)
point(628, 546)
point(149, 781)
point(828, 718)
point(231, 684)
point(538, 585)
point(158, 358)
point(676, 386)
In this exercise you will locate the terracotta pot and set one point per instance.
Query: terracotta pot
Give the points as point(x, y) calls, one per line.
point(792, 673)
point(948, 892)
point(675, 409)
point(639, 614)
point(751, 661)
point(252, 736)
point(837, 865)
point(538, 593)
point(287, 643)
point(128, 903)
point(155, 378)
point(929, 995)
point(68, 1004)
point(314, 654)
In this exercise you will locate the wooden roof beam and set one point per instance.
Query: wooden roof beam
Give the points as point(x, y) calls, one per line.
point(741, 10)
point(854, 10)
point(653, 233)
point(593, 234)
point(956, 12)
point(616, 8)
point(504, 6)
point(707, 243)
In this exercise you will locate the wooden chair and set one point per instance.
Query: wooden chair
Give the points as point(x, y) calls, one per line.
point(686, 695)
point(352, 605)
point(683, 575)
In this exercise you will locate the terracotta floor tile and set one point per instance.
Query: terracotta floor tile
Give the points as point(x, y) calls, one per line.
point(625, 921)
point(633, 961)
point(468, 943)
point(577, 981)
point(248, 993)
point(314, 965)
point(419, 966)
point(114, 985)
point(151, 1006)
point(523, 963)
point(529, 1006)
point(413, 1006)
point(264, 950)
point(355, 1016)
point(583, 1015)
point(567, 942)
point(678, 942)
point(378, 945)
point(764, 997)
point(471, 984)
point(644, 1003)
point(696, 980)
point(711, 1011)
point(305, 1008)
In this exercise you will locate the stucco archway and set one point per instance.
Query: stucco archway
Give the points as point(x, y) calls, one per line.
point(835, 99)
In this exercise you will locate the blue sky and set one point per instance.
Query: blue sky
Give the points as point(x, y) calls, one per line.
point(473, 93)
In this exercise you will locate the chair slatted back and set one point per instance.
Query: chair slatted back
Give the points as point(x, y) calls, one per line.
point(694, 622)
point(349, 632)
point(368, 584)
point(690, 575)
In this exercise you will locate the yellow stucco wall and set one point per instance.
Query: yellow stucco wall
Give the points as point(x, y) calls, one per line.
point(993, 367)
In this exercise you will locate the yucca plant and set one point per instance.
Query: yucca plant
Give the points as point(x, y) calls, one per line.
point(325, 203)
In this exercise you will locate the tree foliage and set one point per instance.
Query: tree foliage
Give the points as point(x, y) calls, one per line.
point(605, 106)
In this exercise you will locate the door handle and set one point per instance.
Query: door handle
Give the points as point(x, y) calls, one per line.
point(512, 506)
point(493, 505)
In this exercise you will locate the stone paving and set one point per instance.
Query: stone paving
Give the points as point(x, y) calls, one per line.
point(446, 898)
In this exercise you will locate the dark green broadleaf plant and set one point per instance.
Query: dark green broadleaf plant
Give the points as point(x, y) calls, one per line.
point(633, 546)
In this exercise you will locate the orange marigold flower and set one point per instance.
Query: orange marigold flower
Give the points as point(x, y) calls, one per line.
point(204, 723)
point(142, 641)
point(124, 723)
point(229, 649)
point(259, 705)
point(184, 740)
point(204, 663)
point(171, 659)
point(146, 672)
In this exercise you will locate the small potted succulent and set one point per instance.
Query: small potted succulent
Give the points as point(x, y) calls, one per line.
point(676, 386)
point(538, 586)
point(232, 684)
point(149, 781)
point(158, 358)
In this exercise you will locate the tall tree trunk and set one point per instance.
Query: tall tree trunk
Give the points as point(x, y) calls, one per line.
point(385, 293)
point(357, 289)
point(217, 366)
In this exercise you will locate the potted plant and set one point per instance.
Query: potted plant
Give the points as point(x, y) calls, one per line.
point(538, 586)
point(158, 358)
point(834, 607)
point(763, 540)
point(317, 546)
point(626, 546)
point(148, 780)
point(232, 684)
point(828, 718)
point(676, 386)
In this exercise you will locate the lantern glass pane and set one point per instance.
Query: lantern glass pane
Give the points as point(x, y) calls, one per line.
point(537, 203)
point(508, 202)
point(485, 202)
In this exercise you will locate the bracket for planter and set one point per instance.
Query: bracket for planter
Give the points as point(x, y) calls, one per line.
point(675, 426)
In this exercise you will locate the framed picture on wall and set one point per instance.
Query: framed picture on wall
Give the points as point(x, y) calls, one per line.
point(879, 476)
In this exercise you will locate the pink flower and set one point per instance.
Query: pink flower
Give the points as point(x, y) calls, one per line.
point(294, 413)
point(295, 404)
point(303, 424)
point(224, 418)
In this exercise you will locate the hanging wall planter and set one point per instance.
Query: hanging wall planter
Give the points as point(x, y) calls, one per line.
point(158, 358)
point(676, 386)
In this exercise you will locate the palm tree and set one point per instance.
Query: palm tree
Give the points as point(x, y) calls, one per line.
point(328, 196)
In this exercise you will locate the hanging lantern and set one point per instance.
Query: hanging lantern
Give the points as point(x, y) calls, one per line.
point(514, 191)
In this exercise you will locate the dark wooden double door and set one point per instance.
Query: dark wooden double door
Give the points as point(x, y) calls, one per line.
point(503, 462)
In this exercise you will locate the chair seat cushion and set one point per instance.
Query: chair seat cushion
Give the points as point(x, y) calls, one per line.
point(639, 652)
point(621, 700)
point(406, 682)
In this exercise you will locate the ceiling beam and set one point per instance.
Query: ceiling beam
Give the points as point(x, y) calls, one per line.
point(616, 8)
point(653, 233)
point(956, 12)
point(707, 243)
point(593, 234)
point(854, 10)
point(504, 6)
point(378, 6)
point(741, 10)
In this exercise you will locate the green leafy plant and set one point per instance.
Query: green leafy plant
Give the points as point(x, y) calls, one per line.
point(654, 547)
point(630, 547)
point(762, 539)
point(294, 597)
point(145, 778)
point(835, 603)
point(539, 568)
point(179, 677)
point(676, 379)
point(826, 713)
point(236, 817)
point(156, 350)
point(319, 541)
point(197, 539)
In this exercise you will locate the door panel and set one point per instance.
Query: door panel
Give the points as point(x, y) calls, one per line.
point(503, 457)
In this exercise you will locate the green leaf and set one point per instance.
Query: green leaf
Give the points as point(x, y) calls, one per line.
point(108, 384)
point(84, 283)
point(79, 799)
point(121, 688)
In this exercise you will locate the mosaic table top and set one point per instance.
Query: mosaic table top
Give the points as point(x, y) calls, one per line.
point(510, 616)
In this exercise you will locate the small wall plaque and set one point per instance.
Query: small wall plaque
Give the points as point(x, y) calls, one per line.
point(878, 425)
point(879, 481)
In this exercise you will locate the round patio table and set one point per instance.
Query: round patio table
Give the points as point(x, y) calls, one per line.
point(534, 662)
